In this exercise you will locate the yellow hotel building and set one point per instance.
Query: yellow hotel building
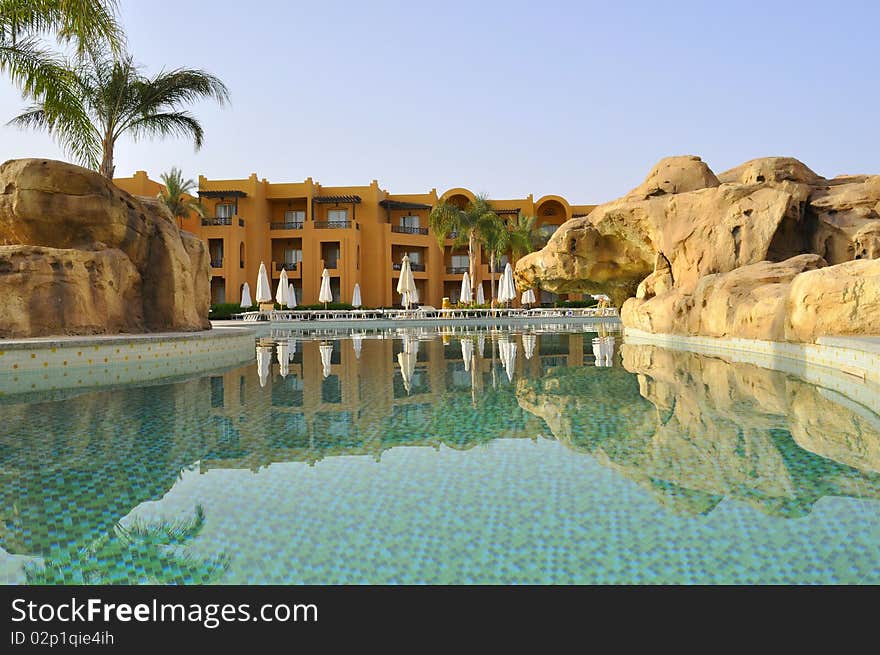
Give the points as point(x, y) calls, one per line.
point(359, 233)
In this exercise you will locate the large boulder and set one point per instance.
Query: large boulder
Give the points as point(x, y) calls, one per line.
point(718, 255)
point(81, 256)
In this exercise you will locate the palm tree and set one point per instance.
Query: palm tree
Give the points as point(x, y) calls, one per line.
point(177, 197)
point(524, 236)
point(118, 99)
point(465, 223)
point(495, 239)
point(38, 72)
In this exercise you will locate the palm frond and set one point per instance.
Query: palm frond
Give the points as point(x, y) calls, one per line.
point(177, 123)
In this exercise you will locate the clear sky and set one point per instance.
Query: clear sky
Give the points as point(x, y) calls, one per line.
point(510, 98)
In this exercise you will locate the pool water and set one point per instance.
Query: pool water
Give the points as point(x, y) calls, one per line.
point(540, 455)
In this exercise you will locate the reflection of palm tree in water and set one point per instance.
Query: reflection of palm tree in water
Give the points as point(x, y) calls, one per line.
point(135, 553)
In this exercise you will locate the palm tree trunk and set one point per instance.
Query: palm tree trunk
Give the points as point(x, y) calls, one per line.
point(472, 255)
point(107, 166)
point(492, 275)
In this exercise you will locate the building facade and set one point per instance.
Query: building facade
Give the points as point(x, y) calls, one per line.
point(359, 233)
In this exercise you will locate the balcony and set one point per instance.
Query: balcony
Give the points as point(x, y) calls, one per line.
point(413, 267)
point(404, 229)
point(217, 263)
point(457, 270)
point(331, 264)
point(285, 266)
point(295, 225)
point(221, 221)
point(333, 225)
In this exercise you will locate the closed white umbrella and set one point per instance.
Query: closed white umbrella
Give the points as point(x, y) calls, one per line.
point(467, 353)
point(481, 299)
point(528, 297)
point(325, 295)
point(529, 342)
point(246, 300)
point(264, 290)
point(291, 297)
point(406, 285)
point(326, 350)
point(281, 292)
point(264, 361)
point(465, 296)
point(356, 296)
point(283, 349)
point(507, 289)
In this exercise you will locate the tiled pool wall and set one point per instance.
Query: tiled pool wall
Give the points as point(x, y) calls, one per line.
point(851, 371)
point(66, 363)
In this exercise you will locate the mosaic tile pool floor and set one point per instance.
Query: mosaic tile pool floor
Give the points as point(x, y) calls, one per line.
point(411, 456)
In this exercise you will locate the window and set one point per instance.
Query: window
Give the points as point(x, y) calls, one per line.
point(225, 211)
point(337, 215)
point(409, 221)
point(459, 261)
point(294, 216)
point(292, 256)
point(415, 257)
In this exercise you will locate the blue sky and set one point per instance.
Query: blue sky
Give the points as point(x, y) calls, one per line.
point(510, 98)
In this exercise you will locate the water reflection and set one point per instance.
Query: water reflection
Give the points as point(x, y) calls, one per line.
point(692, 430)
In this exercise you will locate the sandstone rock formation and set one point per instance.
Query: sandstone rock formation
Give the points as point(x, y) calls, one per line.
point(720, 255)
point(80, 256)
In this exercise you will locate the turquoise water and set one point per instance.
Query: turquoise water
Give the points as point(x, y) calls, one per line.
point(415, 457)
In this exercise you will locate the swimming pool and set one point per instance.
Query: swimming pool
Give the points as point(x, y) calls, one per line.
point(531, 455)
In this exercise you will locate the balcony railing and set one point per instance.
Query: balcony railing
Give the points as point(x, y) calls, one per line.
point(218, 220)
point(332, 225)
point(405, 229)
point(457, 269)
point(292, 225)
point(413, 267)
point(285, 266)
point(217, 263)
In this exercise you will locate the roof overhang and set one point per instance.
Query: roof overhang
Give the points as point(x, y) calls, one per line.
point(336, 199)
point(235, 193)
point(401, 204)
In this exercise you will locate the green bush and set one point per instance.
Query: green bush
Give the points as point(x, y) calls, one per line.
point(571, 304)
point(225, 310)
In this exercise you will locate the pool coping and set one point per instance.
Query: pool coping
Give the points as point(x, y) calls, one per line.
point(73, 341)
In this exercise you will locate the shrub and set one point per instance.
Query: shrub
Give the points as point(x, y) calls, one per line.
point(225, 310)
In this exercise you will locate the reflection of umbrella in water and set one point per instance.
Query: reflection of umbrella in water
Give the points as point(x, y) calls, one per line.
point(283, 357)
point(407, 362)
point(467, 352)
point(481, 343)
point(357, 339)
point(507, 352)
point(291, 348)
point(529, 341)
point(264, 361)
point(326, 355)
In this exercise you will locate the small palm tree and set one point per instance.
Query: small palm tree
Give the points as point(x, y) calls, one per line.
point(114, 98)
point(495, 240)
point(177, 197)
point(466, 223)
point(38, 72)
point(524, 236)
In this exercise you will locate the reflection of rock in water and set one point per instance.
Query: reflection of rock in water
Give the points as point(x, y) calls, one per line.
point(695, 429)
